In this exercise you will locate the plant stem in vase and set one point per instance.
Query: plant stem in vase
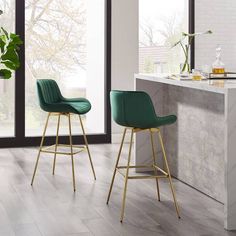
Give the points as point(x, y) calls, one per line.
point(186, 48)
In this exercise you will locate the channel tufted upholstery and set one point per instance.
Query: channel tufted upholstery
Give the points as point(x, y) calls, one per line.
point(51, 99)
point(135, 109)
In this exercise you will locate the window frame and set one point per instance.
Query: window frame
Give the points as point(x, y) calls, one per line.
point(191, 29)
point(20, 140)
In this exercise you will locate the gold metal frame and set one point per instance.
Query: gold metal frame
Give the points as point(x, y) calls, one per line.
point(53, 149)
point(165, 173)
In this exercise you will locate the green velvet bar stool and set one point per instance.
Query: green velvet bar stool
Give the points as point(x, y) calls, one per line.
point(52, 101)
point(134, 110)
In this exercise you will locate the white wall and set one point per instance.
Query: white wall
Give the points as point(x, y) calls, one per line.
point(124, 49)
point(220, 17)
point(95, 67)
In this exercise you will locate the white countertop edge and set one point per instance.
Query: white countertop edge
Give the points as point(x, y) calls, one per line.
point(201, 85)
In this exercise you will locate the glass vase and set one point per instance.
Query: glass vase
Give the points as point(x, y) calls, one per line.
point(184, 68)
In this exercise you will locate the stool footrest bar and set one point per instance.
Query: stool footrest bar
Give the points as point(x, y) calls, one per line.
point(147, 177)
point(51, 149)
point(118, 168)
point(144, 166)
point(131, 167)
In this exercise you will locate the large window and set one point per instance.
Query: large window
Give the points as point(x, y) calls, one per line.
point(68, 41)
point(65, 42)
point(7, 88)
point(160, 26)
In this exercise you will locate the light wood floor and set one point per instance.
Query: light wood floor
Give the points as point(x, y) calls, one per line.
point(51, 208)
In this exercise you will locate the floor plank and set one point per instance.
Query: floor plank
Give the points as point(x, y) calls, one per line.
point(51, 207)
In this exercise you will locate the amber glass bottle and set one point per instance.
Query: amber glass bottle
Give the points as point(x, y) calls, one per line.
point(218, 67)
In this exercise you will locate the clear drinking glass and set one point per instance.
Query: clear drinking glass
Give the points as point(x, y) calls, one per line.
point(196, 75)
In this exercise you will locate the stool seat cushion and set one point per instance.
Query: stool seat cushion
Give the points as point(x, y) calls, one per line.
point(135, 109)
point(51, 99)
point(78, 107)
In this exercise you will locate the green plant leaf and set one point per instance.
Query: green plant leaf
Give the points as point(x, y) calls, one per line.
point(11, 65)
point(12, 56)
point(12, 45)
point(175, 44)
point(178, 42)
point(3, 37)
point(5, 73)
point(196, 34)
point(15, 39)
point(2, 44)
point(9, 45)
point(5, 32)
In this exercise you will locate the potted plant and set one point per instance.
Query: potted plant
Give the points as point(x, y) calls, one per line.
point(9, 58)
point(187, 37)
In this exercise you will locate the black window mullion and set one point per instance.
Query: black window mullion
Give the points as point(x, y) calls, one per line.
point(20, 75)
point(107, 120)
point(192, 30)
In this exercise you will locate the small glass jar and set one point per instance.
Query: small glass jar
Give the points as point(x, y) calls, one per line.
point(196, 75)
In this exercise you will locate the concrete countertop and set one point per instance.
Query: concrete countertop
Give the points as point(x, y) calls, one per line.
point(215, 86)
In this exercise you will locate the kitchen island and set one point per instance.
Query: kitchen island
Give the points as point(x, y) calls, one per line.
point(201, 146)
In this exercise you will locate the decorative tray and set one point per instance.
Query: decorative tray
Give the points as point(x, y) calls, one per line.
point(222, 76)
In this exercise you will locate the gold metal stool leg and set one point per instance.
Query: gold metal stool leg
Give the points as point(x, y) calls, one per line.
point(126, 177)
point(40, 148)
point(55, 155)
point(87, 147)
point(117, 162)
point(71, 151)
point(154, 164)
point(169, 175)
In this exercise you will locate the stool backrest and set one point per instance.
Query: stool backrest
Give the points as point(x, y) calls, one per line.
point(48, 92)
point(132, 108)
